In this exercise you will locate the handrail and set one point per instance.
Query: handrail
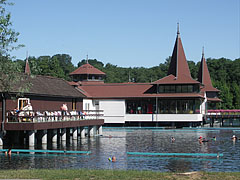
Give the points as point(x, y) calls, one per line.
point(51, 116)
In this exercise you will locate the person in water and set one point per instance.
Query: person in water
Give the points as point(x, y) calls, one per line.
point(201, 139)
point(8, 152)
point(112, 159)
point(172, 139)
point(214, 138)
point(234, 138)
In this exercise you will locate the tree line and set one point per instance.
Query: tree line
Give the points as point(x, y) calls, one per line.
point(225, 73)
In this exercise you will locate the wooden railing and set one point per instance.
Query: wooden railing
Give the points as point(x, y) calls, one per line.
point(51, 116)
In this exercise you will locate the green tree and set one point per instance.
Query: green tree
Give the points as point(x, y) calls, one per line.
point(9, 71)
point(65, 62)
point(235, 89)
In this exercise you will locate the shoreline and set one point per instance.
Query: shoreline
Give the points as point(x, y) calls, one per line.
point(111, 174)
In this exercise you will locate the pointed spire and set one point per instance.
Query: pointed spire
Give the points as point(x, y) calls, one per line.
point(178, 32)
point(178, 65)
point(87, 59)
point(129, 77)
point(27, 67)
point(204, 75)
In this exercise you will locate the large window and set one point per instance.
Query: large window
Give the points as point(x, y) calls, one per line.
point(178, 106)
point(178, 88)
point(140, 106)
point(165, 106)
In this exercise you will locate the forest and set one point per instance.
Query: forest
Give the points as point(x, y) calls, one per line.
point(225, 73)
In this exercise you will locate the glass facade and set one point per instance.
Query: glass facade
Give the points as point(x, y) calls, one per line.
point(164, 106)
point(140, 106)
point(178, 88)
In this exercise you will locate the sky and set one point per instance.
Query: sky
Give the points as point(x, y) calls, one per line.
point(127, 33)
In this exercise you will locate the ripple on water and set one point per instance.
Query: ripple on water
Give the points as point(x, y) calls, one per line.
point(118, 141)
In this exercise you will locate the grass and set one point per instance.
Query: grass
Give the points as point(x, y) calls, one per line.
point(112, 174)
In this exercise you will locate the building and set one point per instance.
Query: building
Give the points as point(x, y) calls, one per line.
point(39, 112)
point(175, 100)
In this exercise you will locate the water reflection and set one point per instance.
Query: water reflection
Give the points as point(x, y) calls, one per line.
point(117, 142)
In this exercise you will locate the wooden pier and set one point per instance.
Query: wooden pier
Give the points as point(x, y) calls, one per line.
point(224, 118)
point(41, 126)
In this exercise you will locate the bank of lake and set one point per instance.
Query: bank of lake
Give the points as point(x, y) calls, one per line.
point(112, 174)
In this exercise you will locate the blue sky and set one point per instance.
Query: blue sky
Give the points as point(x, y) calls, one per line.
point(127, 33)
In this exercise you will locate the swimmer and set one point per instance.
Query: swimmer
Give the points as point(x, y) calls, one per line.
point(214, 138)
point(234, 137)
point(113, 159)
point(172, 139)
point(200, 139)
point(8, 152)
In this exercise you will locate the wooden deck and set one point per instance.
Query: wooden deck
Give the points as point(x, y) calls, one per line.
point(36, 120)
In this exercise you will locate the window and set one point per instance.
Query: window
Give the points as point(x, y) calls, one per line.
point(178, 89)
point(190, 88)
point(22, 102)
point(96, 102)
point(172, 88)
point(167, 89)
point(161, 89)
point(184, 88)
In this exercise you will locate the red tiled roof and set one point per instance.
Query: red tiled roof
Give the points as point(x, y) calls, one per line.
point(178, 65)
point(204, 76)
point(171, 79)
point(116, 90)
point(87, 69)
point(27, 68)
point(72, 83)
point(125, 90)
point(47, 86)
point(214, 99)
point(209, 88)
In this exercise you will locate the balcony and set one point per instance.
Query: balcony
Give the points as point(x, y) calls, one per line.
point(52, 116)
point(40, 120)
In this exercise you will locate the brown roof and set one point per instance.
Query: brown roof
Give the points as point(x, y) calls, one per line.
point(209, 88)
point(49, 86)
point(178, 65)
point(178, 72)
point(204, 76)
point(214, 99)
point(87, 69)
point(171, 79)
point(125, 90)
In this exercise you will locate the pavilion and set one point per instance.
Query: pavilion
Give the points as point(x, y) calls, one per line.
point(175, 100)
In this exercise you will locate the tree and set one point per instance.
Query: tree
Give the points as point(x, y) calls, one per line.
point(65, 62)
point(235, 89)
point(8, 38)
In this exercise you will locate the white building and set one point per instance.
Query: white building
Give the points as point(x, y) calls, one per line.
point(175, 100)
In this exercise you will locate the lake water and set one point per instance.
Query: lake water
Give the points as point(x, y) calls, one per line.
point(118, 141)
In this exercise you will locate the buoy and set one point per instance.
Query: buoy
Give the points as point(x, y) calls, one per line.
point(110, 159)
